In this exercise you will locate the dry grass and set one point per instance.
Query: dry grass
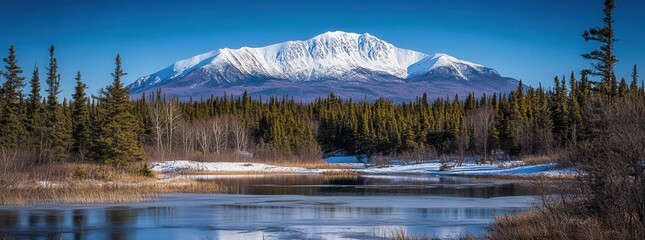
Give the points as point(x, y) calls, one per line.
point(341, 172)
point(85, 195)
point(545, 225)
point(5, 236)
point(529, 177)
point(93, 192)
point(25, 181)
point(401, 234)
point(559, 220)
point(307, 164)
point(540, 159)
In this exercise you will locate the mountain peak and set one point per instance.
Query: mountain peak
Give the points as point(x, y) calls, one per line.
point(334, 57)
point(338, 34)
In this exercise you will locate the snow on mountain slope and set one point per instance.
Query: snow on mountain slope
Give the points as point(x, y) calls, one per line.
point(339, 57)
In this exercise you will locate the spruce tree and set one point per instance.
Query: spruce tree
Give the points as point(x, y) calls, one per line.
point(55, 132)
point(12, 129)
point(634, 84)
point(80, 119)
point(603, 59)
point(584, 89)
point(116, 140)
point(622, 87)
point(34, 98)
point(560, 112)
point(575, 117)
point(35, 113)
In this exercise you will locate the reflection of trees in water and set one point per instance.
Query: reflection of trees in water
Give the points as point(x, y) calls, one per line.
point(33, 220)
point(299, 210)
point(119, 216)
point(118, 220)
point(54, 221)
point(79, 221)
point(159, 214)
point(368, 186)
point(53, 218)
point(8, 220)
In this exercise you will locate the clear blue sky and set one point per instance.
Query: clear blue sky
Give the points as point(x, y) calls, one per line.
point(533, 40)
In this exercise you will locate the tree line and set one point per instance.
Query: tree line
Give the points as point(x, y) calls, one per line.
point(102, 127)
point(110, 127)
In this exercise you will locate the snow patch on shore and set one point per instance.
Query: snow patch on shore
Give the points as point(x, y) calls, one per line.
point(507, 169)
point(173, 166)
point(514, 168)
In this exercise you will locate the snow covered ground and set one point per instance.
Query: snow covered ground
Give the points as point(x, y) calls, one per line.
point(515, 168)
point(172, 166)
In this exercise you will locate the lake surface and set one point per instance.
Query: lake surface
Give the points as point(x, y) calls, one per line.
point(286, 207)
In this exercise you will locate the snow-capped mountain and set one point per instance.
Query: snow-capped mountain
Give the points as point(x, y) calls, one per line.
point(347, 64)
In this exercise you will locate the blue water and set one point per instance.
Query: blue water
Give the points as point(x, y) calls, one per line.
point(275, 216)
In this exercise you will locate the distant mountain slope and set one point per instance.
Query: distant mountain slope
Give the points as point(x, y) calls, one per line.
point(347, 64)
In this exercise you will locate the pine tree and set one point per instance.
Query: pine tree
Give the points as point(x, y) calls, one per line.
point(560, 112)
point(603, 58)
point(80, 119)
point(116, 140)
point(35, 114)
point(12, 129)
point(56, 135)
point(584, 89)
point(622, 87)
point(543, 122)
point(575, 116)
point(634, 84)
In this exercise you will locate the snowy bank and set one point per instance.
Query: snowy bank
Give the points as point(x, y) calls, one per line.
point(508, 169)
point(515, 168)
point(173, 166)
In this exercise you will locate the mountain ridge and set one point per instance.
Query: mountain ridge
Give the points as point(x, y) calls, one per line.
point(334, 61)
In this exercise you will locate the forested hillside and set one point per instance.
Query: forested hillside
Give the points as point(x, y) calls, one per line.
point(110, 128)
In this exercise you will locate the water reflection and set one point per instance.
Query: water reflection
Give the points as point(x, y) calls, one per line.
point(370, 185)
point(79, 221)
point(434, 206)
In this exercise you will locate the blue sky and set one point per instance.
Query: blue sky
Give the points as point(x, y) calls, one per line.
point(532, 40)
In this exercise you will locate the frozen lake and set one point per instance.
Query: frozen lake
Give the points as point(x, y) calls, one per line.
point(286, 207)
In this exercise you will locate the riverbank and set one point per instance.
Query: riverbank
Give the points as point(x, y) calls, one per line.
point(88, 183)
point(98, 192)
point(510, 169)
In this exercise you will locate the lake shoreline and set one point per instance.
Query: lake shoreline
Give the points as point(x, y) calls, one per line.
point(173, 180)
point(504, 170)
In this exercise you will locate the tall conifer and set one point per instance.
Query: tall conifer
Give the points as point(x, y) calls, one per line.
point(80, 119)
point(55, 132)
point(117, 142)
point(35, 113)
point(634, 84)
point(12, 129)
point(603, 59)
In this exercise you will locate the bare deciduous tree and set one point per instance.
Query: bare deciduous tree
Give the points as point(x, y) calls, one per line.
point(219, 128)
point(481, 121)
point(173, 118)
point(187, 133)
point(203, 135)
point(156, 113)
point(463, 139)
point(240, 135)
point(613, 161)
